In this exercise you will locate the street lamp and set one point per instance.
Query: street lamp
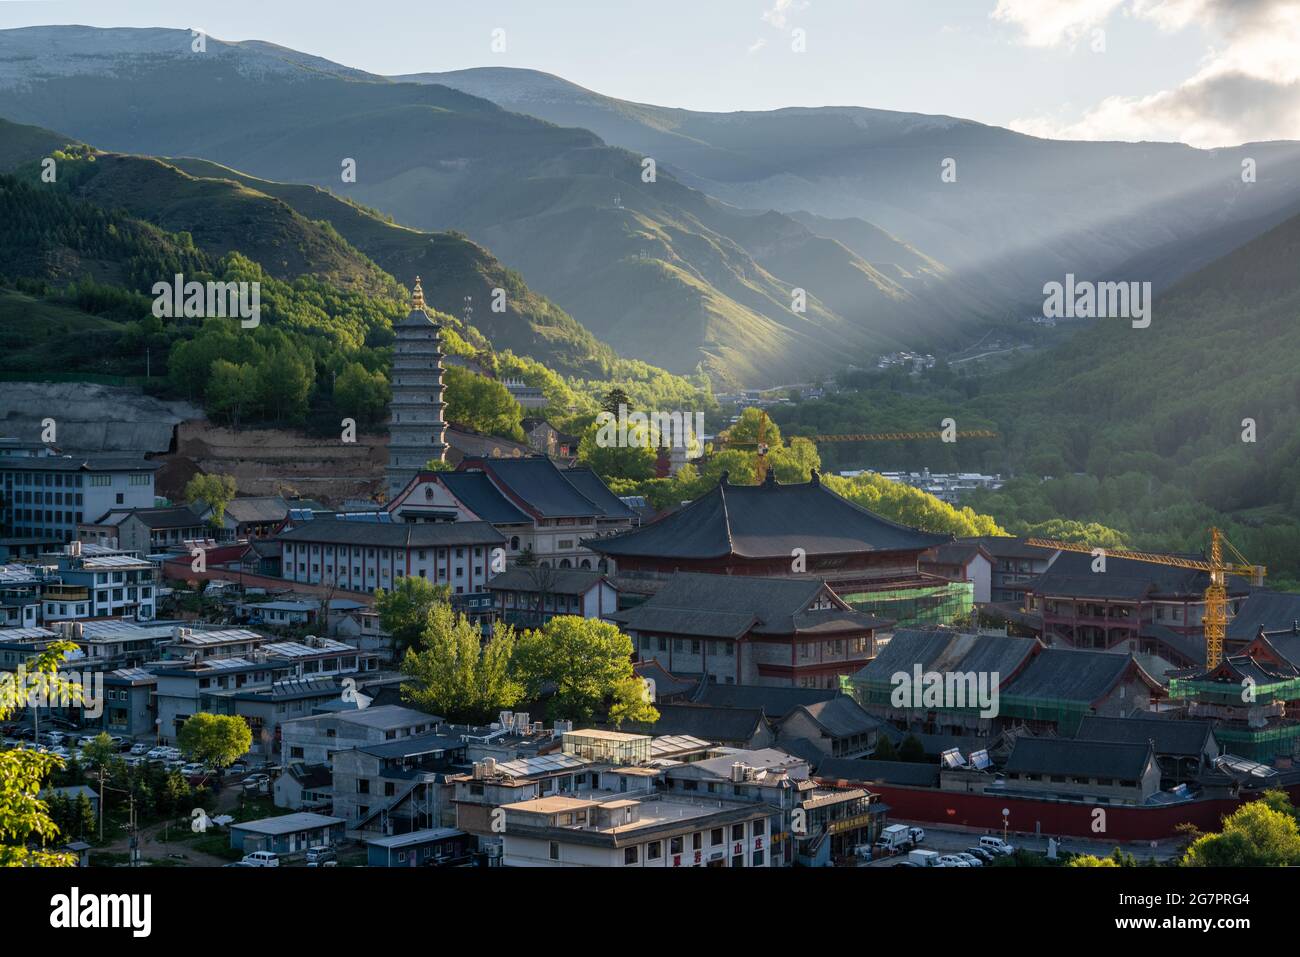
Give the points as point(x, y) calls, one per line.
point(1006, 813)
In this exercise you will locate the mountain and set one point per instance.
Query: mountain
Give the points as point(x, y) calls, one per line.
point(1021, 211)
point(659, 270)
point(296, 230)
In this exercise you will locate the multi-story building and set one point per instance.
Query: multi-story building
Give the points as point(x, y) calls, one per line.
point(542, 510)
point(531, 595)
point(798, 531)
point(1015, 565)
point(50, 494)
point(145, 531)
point(99, 582)
point(738, 629)
point(641, 828)
point(20, 596)
point(396, 786)
point(314, 739)
point(417, 430)
point(370, 552)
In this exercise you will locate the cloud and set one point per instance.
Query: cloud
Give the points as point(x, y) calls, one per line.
point(779, 14)
point(1247, 86)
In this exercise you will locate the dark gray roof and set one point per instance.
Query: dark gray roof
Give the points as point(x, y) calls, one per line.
point(393, 534)
point(727, 606)
point(666, 683)
point(1174, 737)
point(776, 702)
point(556, 581)
point(257, 508)
point(724, 725)
point(1271, 610)
point(953, 553)
point(177, 516)
point(943, 650)
point(840, 717)
point(868, 771)
point(482, 498)
point(1076, 758)
point(1071, 674)
point(590, 485)
point(413, 745)
point(548, 491)
point(766, 521)
point(1006, 546)
point(77, 463)
point(312, 775)
point(1125, 578)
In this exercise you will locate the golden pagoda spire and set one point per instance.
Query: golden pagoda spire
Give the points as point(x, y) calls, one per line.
point(417, 296)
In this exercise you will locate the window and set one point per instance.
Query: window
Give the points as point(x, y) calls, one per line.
point(363, 786)
point(674, 845)
point(629, 855)
point(653, 850)
point(555, 850)
point(737, 832)
point(715, 837)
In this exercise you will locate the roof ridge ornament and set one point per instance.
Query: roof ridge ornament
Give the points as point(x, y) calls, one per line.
point(417, 296)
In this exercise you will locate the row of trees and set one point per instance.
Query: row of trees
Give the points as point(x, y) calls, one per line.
point(580, 667)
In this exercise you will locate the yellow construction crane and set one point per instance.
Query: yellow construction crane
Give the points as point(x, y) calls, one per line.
point(1215, 621)
point(761, 447)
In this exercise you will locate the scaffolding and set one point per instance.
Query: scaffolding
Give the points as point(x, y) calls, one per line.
point(943, 603)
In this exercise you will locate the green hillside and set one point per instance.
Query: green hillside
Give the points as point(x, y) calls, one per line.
point(554, 203)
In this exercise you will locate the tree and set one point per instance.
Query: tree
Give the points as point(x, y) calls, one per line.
point(613, 458)
point(614, 398)
point(588, 663)
point(232, 390)
point(884, 750)
point(284, 382)
point(911, 749)
point(361, 393)
point(24, 817)
point(100, 751)
point(214, 490)
point(404, 611)
point(216, 740)
point(439, 465)
point(483, 404)
point(458, 675)
point(1259, 834)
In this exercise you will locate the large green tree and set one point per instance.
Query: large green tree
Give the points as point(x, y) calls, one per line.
point(24, 817)
point(404, 610)
point(482, 404)
point(361, 393)
point(216, 740)
point(587, 663)
point(1262, 833)
point(213, 489)
point(455, 673)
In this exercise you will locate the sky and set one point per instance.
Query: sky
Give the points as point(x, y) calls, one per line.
point(1204, 72)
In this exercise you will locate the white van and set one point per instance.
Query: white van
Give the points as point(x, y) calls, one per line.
point(262, 859)
point(995, 845)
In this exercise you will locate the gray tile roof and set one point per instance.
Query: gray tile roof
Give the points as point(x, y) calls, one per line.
point(1172, 736)
point(868, 771)
point(1071, 674)
point(393, 535)
point(775, 701)
point(1271, 610)
point(943, 650)
point(1125, 578)
point(257, 508)
point(840, 717)
point(727, 606)
point(550, 491)
point(482, 498)
point(556, 581)
point(724, 725)
point(1076, 758)
point(766, 521)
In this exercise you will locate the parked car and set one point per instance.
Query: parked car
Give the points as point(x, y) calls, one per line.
point(52, 737)
point(86, 739)
point(239, 767)
point(262, 859)
point(257, 782)
point(952, 860)
point(139, 750)
point(907, 864)
point(917, 834)
point(995, 845)
point(970, 859)
point(321, 855)
point(985, 856)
